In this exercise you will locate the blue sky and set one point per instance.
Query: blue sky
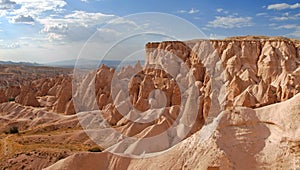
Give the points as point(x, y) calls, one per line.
point(52, 30)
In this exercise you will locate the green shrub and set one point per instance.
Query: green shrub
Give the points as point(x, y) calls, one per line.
point(11, 99)
point(60, 157)
point(95, 149)
point(13, 130)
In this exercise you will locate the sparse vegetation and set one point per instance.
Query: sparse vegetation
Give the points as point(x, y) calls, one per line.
point(14, 130)
point(11, 99)
point(60, 157)
point(95, 149)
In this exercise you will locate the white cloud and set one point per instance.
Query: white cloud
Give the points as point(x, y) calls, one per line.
point(35, 8)
point(23, 19)
point(6, 4)
point(283, 6)
point(221, 10)
point(280, 18)
point(55, 28)
point(230, 22)
point(182, 11)
point(191, 11)
point(288, 26)
point(77, 26)
point(2, 13)
point(286, 14)
point(297, 5)
point(295, 32)
point(107, 30)
point(11, 45)
point(122, 21)
point(216, 37)
point(22, 42)
point(261, 14)
point(38, 39)
point(86, 1)
point(55, 37)
point(108, 34)
point(285, 17)
point(86, 19)
point(75, 19)
point(278, 6)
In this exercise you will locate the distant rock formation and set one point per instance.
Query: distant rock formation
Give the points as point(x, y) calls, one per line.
point(27, 96)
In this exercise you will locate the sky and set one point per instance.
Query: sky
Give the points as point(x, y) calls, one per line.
point(52, 30)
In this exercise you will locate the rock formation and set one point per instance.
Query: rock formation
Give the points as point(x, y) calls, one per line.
point(254, 70)
point(249, 72)
point(263, 138)
point(27, 96)
point(239, 88)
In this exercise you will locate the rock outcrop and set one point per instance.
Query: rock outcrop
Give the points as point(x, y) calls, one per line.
point(27, 96)
point(257, 72)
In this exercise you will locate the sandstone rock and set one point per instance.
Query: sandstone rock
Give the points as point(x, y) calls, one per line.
point(219, 145)
point(27, 96)
point(63, 96)
point(245, 99)
point(261, 64)
point(12, 91)
point(3, 97)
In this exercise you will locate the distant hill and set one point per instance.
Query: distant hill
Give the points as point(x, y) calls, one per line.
point(19, 63)
point(82, 63)
point(86, 63)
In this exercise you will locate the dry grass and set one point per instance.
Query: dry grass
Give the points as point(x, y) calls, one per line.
point(14, 145)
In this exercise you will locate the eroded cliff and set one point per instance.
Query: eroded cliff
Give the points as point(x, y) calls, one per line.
point(223, 76)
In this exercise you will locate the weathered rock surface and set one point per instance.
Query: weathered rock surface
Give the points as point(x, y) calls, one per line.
point(256, 72)
point(246, 72)
point(263, 138)
point(214, 78)
point(27, 96)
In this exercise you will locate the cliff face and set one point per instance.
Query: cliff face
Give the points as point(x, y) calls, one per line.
point(227, 74)
point(255, 72)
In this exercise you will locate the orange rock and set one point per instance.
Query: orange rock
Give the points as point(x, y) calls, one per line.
point(27, 97)
point(3, 97)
